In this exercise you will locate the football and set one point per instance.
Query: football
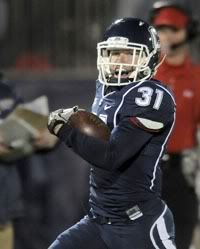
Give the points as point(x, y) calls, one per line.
point(89, 124)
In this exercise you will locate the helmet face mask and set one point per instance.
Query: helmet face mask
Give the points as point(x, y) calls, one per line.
point(137, 63)
point(113, 73)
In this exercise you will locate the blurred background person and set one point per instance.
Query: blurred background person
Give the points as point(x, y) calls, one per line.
point(12, 201)
point(177, 29)
point(11, 205)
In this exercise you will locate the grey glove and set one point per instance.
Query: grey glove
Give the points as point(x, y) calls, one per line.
point(58, 118)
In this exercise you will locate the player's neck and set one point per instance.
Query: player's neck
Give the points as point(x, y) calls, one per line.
point(109, 89)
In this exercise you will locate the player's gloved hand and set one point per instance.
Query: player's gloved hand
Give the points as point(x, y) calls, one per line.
point(58, 118)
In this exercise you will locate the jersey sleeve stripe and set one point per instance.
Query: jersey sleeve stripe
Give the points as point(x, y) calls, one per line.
point(137, 122)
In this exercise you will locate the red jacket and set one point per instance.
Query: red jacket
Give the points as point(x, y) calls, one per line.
point(184, 80)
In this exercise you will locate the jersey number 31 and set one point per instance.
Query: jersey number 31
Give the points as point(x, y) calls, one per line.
point(147, 93)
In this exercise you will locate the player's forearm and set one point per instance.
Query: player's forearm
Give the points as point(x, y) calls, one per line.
point(110, 155)
point(95, 151)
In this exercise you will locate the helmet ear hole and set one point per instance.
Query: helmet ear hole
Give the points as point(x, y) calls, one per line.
point(146, 71)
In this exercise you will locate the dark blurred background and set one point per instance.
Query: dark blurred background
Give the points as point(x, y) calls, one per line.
point(48, 47)
point(61, 34)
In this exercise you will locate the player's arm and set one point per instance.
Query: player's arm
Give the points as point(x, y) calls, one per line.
point(126, 140)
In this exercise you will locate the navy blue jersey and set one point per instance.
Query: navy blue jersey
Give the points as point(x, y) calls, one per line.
point(125, 171)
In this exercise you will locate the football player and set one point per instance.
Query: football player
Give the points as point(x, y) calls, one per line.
point(126, 211)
